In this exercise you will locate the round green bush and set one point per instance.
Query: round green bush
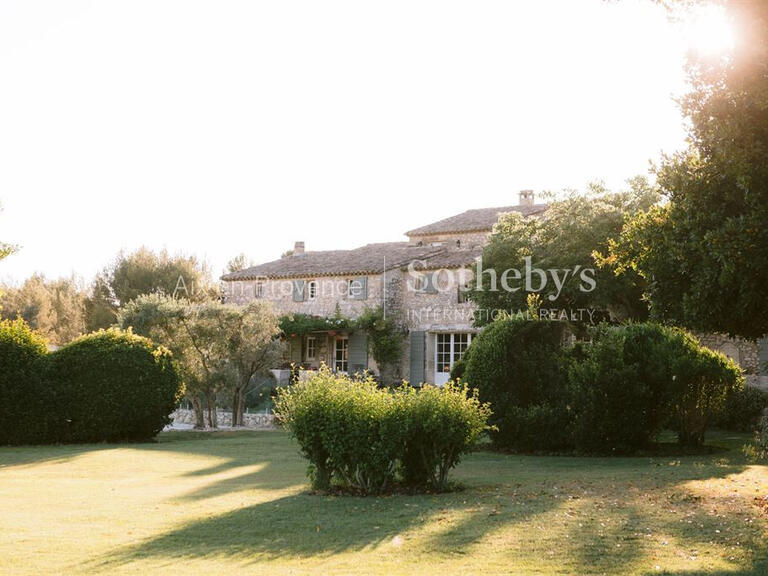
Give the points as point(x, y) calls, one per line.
point(521, 368)
point(22, 409)
point(633, 380)
point(111, 386)
point(744, 406)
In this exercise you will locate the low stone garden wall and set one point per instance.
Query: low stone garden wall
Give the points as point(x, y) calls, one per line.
point(259, 421)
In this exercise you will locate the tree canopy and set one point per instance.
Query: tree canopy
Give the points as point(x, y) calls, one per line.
point(567, 240)
point(702, 254)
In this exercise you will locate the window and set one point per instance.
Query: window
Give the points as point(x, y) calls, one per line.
point(427, 283)
point(312, 289)
point(259, 290)
point(311, 348)
point(357, 288)
point(449, 349)
point(340, 354)
point(463, 293)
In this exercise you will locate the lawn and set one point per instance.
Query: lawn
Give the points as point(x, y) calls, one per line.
point(199, 503)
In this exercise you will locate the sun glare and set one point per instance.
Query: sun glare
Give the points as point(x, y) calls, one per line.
point(710, 31)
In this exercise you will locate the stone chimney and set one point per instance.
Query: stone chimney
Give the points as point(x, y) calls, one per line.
point(298, 247)
point(526, 198)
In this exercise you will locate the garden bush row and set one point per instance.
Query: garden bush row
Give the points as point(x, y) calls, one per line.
point(106, 386)
point(611, 394)
point(360, 437)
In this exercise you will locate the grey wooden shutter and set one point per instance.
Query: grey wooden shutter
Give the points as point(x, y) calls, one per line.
point(299, 291)
point(360, 288)
point(296, 355)
point(418, 341)
point(358, 352)
point(431, 283)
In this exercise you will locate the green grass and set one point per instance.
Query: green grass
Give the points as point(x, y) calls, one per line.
point(238, 503)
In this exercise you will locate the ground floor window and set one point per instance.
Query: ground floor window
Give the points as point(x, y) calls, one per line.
point(449, 348)
point(340, 354)
point(311, 348)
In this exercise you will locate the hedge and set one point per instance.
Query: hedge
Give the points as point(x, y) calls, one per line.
point(106, 386)
point(360, 437)
point(610, 395)
point(22, 408)
point(521, 369)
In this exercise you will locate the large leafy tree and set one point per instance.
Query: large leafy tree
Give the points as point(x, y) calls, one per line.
point(703, 253)
point(219, 347)
point(145, 272)
point(54, 308)
point(568, 241)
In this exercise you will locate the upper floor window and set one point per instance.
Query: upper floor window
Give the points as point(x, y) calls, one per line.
point(312, 290)
point(464, 290)
point(357, 288)
point(426, 283)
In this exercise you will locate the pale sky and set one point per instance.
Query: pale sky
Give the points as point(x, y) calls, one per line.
point(219, 127)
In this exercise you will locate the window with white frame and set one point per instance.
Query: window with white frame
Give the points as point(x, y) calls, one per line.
point(354, 288)
point(312, 290)
point(311, 349)
point(449, 348)
point(341, 354)
point(258, 291)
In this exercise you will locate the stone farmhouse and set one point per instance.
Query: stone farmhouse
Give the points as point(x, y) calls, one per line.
point(419, 282)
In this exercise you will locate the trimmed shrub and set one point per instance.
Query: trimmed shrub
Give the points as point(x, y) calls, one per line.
point(345, 427)
point(111, 386)
point(701, 381)
point(743, 409)
point(23, 407)
point(355, 434)
point(441, 425)
point(614, 409)
point(521, 368)
point(632, 380)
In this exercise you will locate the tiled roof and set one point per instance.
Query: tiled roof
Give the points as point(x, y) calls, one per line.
point(366, 259)
point(474, 220)
point(452, 258)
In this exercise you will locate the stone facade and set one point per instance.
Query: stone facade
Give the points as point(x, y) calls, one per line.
point(438, 321)
point(465, 239)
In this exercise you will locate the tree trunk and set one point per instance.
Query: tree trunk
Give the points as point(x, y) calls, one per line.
point(238, 402)
point(210, 398)
point(197, 405)
point(237, 419)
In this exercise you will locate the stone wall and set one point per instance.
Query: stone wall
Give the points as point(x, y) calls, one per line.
point(466, 239)
point(331, 295)
point(255, 421)
point(745, 353)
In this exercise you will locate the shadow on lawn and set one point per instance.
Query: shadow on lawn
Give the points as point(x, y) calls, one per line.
point(502, 491)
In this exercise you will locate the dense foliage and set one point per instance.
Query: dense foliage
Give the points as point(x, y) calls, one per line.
point(566, 243)
point(519, 367)
point(54, 308)
point(742, 410)
point(358, 436)
point(301, 324)
point(106, 386)
point(22, 407)
point(611, 395)
point(218, 348)
point(111, 386)
point(385, 339)
point(703, 252)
